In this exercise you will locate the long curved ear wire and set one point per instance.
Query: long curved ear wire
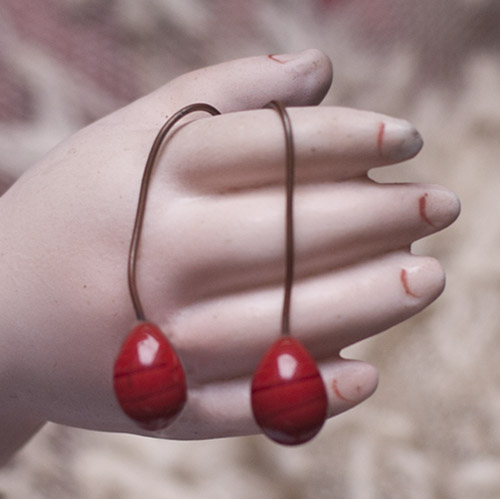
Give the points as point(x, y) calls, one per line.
point(148, 378)
point(288, 396)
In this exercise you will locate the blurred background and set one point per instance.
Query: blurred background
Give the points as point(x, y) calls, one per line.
point(432, 429)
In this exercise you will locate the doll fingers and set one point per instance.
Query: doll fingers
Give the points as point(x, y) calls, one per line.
point(237, 240)
point(223, 409)
point(296, 79)
point(249, 83)
point(241, 151)
point(223, 337)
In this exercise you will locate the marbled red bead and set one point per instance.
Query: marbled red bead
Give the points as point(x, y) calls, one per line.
point(148, 378)
point(288, 395)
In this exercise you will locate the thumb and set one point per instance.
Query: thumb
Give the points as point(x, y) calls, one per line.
point(296, 79)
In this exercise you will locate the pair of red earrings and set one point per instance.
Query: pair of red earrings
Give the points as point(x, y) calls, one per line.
point(288, 397)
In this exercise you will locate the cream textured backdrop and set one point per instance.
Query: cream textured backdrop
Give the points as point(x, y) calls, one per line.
point(432, 430)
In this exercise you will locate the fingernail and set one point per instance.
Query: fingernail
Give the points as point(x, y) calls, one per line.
point(398, 140)
point(424, 280)
point(438, 207)
point(282, 58)
point(358, 382)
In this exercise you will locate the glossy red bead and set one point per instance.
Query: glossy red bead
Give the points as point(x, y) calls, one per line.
point(148, 378)
point(289, 399)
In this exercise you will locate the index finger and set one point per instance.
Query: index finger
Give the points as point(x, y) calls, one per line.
point(246, 149)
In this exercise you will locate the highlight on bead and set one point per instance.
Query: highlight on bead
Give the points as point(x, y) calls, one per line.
point(288, 396)
point(148, 379)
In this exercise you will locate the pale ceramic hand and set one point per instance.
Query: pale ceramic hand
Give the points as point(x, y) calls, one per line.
point(210, 268)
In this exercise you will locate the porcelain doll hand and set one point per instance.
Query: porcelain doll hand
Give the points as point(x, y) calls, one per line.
point(210, 268)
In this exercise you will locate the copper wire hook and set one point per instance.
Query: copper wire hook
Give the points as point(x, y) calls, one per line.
point(143, 194)
point(289, 218)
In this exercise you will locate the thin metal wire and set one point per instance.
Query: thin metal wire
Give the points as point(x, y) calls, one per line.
point(143, 194)
point(289, 218)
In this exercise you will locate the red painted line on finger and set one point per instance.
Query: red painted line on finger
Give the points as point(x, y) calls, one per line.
point(338, 393)
point(275, 59)
point(406, 286)
point(422, 209)
point(380, 137)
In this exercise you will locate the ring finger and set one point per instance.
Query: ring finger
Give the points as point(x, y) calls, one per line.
point(329, 312)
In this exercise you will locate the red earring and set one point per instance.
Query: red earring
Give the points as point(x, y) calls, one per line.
point(148, 378)
point(288, 396)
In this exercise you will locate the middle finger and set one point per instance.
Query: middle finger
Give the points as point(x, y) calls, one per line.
point(237, 241)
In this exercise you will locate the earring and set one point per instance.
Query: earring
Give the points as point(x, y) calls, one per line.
point(288, 395)
point(148, 378)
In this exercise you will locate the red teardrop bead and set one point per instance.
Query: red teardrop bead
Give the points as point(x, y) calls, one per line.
point(148, 378)
point(289, 399)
